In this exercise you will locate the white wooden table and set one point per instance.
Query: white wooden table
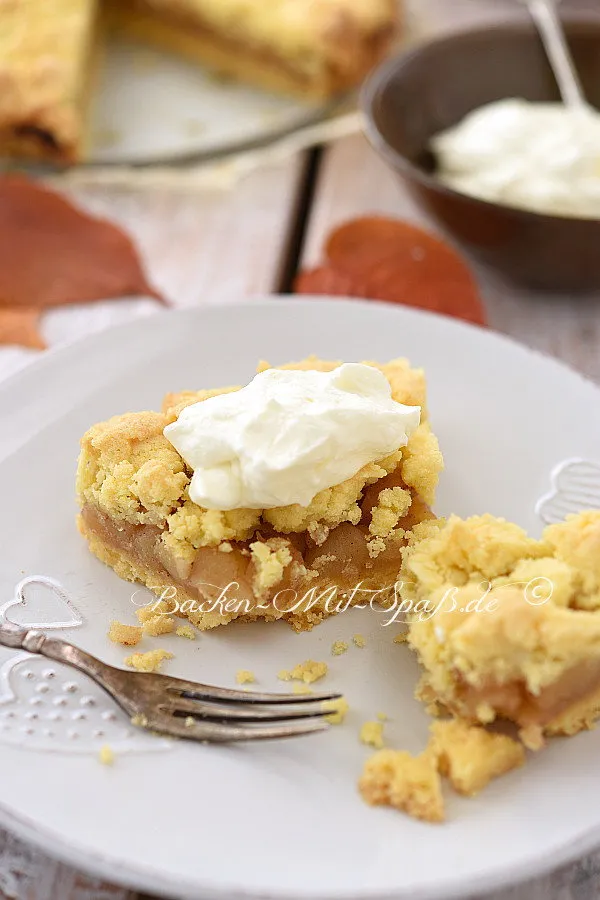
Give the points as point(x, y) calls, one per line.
point(253, 240)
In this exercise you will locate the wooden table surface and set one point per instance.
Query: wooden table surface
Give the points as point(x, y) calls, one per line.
point(252, 240)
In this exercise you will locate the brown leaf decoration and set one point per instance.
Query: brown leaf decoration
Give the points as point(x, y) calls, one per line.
point(52, 253)
point(19, 325)
point(379, 258)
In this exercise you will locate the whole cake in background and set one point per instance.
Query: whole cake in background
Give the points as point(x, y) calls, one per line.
point(48, 56)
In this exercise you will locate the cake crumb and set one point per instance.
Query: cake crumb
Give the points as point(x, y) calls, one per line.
point(300, 688)
point(158, 625)
point(190, 720)
point(139, 720)
point(339, 709)
point(375, 547)
point(470, 756)
point(533, 737)
point(411, 784)
point(128, 635)
point(359, 641)
point(106, 755)
point(338, 647)
point(244, 676)
point(225, 547)
point(186, 631)
point(307, 672)
point(148, 662)
point(153, 609)
point(371, 734)
point(383, 717)
point(401, 638)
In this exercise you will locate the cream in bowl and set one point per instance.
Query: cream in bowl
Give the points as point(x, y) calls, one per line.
point(541, 157)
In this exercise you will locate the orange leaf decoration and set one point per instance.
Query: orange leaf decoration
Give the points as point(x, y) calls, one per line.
point(386, 259)
point(52, 253)
point(20, 326)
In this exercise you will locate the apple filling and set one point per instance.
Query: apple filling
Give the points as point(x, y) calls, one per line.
point(515, 702)
point(270, 575)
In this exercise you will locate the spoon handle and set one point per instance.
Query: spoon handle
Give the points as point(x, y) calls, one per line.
point(545, 15)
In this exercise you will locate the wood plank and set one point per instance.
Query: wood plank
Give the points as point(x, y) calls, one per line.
point(28, 874)
point(209, 244)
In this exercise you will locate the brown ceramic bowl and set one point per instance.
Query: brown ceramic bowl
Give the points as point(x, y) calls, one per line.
point(411, 98)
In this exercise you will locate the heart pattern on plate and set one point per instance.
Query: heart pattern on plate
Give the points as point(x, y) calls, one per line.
point(40, 602)
point(575, 487)
point(49, 706)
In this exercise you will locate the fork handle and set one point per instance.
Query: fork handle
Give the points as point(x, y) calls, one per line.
point(20, 638)
point(61, 651)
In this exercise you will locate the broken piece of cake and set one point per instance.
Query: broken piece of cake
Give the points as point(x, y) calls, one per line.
point(48, 54)
point(509, 626)
point(273, 501)
point(468, 755)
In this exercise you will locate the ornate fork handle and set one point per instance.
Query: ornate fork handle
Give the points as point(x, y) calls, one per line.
point(182, 708)
point(34, 641)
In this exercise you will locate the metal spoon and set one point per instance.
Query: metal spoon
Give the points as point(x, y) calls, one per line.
point(546, 17)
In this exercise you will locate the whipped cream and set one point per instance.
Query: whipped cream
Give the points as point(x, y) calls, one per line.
point(544, 157)
point(288, 435)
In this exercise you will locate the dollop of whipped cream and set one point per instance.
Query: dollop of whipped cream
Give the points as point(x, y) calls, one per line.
point(288, 435)
point(544, 157)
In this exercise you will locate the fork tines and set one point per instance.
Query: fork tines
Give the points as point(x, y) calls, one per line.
point(203, 712)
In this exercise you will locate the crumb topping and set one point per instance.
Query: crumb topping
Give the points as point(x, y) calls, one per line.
point(338, 648)
point(128, 635)
point(509, 610)
point(339, 710)
point(393, 505)
point(371, 734)
point(129, 470)
point(154, 609)
point(244, 676)
point(186, 631)
point(470, 757)
point(307, 672)
point(408, 783)
point(158, 625)
point(106, 755)
point(150, 661)
point(270, 559)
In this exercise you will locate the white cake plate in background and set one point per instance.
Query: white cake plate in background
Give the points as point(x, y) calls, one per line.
point(151, 107)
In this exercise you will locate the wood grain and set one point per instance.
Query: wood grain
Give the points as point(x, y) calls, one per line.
point(210, 246)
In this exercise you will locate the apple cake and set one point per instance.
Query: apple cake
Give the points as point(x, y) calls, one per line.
point(294, 562)
point(47, 54)
point(506, 626)
point(312, 49)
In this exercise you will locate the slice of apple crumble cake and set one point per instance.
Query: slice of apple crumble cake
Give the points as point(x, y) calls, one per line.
point(294, 561)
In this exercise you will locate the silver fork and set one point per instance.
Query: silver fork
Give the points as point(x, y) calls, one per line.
point(184, 709)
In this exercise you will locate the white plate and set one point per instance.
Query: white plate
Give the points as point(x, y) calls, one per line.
point(152, 107)
point(281, 820)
